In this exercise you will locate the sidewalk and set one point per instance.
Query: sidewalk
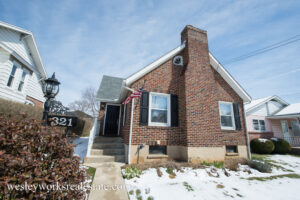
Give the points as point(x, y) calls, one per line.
point(108, 174)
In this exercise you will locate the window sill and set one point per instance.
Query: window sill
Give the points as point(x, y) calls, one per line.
point(157, 156)
point(232, 154)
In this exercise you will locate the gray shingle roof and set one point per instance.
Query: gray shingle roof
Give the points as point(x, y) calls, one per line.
point(110, 88)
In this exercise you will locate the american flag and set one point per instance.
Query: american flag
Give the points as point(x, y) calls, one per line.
point(135, 94)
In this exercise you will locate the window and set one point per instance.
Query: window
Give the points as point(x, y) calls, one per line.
point(231, 149)
point(11, 76)
point(295, 128)
point(226, 115)
point(259, 125)
point(157, 149)
point(159, 109)
point(21, 84)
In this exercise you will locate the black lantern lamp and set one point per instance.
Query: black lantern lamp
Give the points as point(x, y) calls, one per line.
point(50, 89)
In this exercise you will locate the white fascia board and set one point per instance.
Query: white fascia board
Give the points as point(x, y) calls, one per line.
point(136, 76)
point(229, 79)
point(284, 116)
point(36, 56)
point(15, 28)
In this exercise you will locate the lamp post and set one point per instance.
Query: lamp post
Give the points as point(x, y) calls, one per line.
point(50, 90)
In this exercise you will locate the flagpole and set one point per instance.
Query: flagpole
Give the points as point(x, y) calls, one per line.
point(130, 132)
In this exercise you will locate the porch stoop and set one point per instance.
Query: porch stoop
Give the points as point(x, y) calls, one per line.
point(107, 149)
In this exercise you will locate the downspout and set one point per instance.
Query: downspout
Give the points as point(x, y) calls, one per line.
point(130, 132)
point(247, 135)
point(131, 122)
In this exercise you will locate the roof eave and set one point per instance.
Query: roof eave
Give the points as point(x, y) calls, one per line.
point(229, 79)
point(136, 76)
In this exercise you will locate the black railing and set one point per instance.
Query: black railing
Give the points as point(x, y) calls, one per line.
point(293, 140)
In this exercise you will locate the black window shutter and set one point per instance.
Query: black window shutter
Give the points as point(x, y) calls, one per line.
point(144, 108)
point(237, 117)
point(174, 110)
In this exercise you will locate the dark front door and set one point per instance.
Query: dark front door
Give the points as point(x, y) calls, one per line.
point(112, 120)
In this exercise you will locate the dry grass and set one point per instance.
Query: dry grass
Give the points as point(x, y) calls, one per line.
point(232, 163)
point(166, 164)
point(14, 109)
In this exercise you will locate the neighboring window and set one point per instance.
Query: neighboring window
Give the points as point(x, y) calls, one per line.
point(259, 125)
point(226, 115)
point(231, 149)
point(11, 76)
point(295, 128)
point(157, 149)
point(159, 109)
point(21, 84)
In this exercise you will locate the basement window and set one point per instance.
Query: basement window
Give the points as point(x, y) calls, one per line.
point(158, 149)
point(231, 149)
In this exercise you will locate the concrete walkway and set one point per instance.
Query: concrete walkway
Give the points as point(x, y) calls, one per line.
point(109, 182)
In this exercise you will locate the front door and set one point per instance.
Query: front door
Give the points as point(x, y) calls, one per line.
point(112, 116)
point(285, 130)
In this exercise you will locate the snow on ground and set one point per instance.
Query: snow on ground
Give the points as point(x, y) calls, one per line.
point(197, 184)
point(81, 146)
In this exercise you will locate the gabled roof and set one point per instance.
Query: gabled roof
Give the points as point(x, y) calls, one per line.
point(258, 102)
point(28, 36)
point(292, 109)
point(110, 89)
point(213, 61)
point(139, 74)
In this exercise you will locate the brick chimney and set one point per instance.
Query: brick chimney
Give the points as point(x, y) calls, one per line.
point(201, 100)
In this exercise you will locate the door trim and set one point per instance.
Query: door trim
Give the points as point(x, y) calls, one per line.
point(111, 104)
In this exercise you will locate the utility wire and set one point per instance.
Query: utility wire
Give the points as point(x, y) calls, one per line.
point(265, 49)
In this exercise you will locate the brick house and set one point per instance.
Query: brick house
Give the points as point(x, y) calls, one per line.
point(191, 108)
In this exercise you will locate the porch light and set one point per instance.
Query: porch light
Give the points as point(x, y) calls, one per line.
point(50, 90)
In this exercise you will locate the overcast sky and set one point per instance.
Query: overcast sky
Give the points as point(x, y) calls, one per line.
point(81, 40)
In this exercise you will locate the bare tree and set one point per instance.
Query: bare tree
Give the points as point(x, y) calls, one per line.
point(87, 103)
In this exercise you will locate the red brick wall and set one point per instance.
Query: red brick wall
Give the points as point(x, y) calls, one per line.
point(35, 101)
point(199, 88)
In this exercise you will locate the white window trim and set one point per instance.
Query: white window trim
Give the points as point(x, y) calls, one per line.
point(168, 110)
point(259, 126)
point(232, 116)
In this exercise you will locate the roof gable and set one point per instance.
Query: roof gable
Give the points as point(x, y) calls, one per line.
point(28, 36)
point(258, 102)
point(213, 61)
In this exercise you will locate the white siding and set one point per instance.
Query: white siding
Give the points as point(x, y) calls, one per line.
point(260, 111)
point(32, 86)
point(12, 40)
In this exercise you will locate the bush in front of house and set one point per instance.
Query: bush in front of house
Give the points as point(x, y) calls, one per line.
point(34, 155)
point(11, 108)
point(281, 146)
point(260, 166)
point(261, 146)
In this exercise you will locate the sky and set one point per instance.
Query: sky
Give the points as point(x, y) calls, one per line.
point(81, 40)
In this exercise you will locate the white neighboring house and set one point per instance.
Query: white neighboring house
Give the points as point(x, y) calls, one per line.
point(21, 67)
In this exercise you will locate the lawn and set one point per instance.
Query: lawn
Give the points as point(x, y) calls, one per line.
point(212, 183)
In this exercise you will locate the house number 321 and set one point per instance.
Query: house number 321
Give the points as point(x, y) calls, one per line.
point(62, 121)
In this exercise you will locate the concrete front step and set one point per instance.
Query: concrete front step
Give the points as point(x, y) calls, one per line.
point(102, 158)
point(101, 145)
point(107, 151)
point(102, 139)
